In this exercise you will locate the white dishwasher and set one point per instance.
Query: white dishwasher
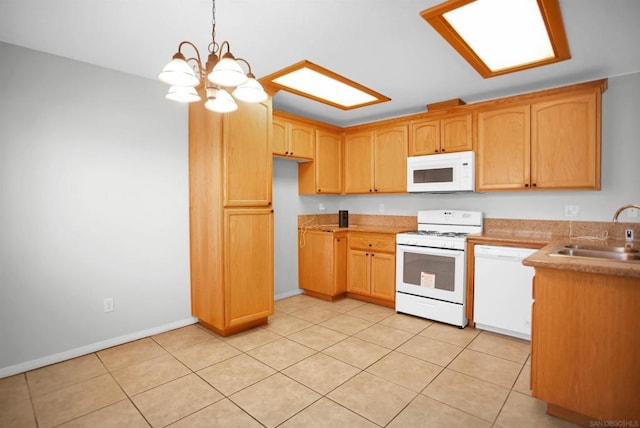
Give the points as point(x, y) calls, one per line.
point(502, 290)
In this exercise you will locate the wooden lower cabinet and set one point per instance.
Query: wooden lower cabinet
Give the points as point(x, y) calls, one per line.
point(372, 267)
point(585, 348)
point(248, 267)
point(322, 263)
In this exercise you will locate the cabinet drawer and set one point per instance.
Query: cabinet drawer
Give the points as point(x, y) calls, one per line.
point(373, 242)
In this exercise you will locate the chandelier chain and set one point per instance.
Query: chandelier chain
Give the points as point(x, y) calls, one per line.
point(213, 46)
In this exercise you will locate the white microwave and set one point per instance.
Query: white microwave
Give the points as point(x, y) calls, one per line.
point(448, 173)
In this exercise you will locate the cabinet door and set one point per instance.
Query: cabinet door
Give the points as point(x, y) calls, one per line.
point(279, 144)
point(301, 141)
point(425, 137)
point(316, 261)
point(247, 155)
point(565, 144)
point(383, 276)
point(456, 134)
point(328, 162)
point(358, 158)
point(502, 158)
point(248, 265)
point(359, 274)
point(390, 159)
point(340, 263)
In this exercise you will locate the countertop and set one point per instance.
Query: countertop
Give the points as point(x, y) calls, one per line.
point(390, 224)
point(332, 227)
point(542, 259)
point(547, 235)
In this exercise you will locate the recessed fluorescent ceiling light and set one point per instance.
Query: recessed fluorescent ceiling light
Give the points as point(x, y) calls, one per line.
point(502, 35)
point(312, 81)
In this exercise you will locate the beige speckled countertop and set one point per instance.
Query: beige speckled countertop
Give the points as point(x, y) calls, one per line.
point(547, 235)
point(543, 259)
point(359, 223)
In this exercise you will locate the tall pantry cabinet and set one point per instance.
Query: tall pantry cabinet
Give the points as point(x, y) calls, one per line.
point(231, 217)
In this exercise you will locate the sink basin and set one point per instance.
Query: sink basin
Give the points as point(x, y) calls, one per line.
point(602, 248)
point(598, 252)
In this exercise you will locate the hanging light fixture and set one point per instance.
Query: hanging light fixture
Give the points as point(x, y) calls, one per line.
point(223, 73)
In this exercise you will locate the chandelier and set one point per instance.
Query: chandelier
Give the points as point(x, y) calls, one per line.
point(222, 73)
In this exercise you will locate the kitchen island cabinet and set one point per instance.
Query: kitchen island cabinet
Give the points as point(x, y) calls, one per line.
point(230, 165)
point(371, 268)
point(585, 349)
point(322, 263)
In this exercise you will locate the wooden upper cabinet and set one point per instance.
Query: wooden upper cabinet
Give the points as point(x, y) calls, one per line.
point(358, 162)
point(565, 143)
point(292, 138)
point(425, 137)
point(553, 143)
point(376, 161)
point(324, 174)
point(248, 161)
point(444, 135)
point(390, 159)
point(502, 155)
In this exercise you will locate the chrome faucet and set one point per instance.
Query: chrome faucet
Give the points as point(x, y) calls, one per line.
point(622, 208)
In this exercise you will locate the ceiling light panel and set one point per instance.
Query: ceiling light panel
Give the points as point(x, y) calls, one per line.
point(320, 84)
point(502, 36)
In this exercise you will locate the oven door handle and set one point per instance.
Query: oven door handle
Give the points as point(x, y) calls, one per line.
point(429, 250)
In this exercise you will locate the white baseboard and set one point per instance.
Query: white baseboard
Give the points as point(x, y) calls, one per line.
point(284, 295)
point(94, 347)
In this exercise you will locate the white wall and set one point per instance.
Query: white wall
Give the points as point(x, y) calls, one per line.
point(93, 204)
point(620, 180)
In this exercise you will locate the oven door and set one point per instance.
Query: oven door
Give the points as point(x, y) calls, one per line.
point(431, 272)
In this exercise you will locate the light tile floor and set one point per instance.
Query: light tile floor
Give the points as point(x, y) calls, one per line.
point(316, 363)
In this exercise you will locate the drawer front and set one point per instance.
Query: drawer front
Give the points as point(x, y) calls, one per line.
point(373, 242)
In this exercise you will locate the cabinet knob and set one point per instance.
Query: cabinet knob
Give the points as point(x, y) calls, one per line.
point(319, 190)
point(375, 190)
point(370, 245)
point(291, 153)
point(533, 185)
point(373, 254)
point(437, 151)
point(526, 185)
point(286, 153)
point(371, 190)
point(443, 150)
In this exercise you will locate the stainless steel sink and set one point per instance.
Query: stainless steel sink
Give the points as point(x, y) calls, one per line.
point(598, 252)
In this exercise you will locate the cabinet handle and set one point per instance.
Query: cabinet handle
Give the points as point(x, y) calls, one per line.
point(319, 190)
point(286, 153)
point(526, 185)
point(291, 153)
point(370, 245)
point(437, 151)
point(371, 190)
point(366, 254)
point(533, 185)
point(373, 254)
point(375, 190)
point(443, 150)
point(269, 203)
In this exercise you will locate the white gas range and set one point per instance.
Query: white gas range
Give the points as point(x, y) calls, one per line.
point(430, 265)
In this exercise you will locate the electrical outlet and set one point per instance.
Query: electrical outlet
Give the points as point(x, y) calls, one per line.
point(321, 207)
point(628, 235)
point(380, 208)
point(571, 210)
point(108, 304)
